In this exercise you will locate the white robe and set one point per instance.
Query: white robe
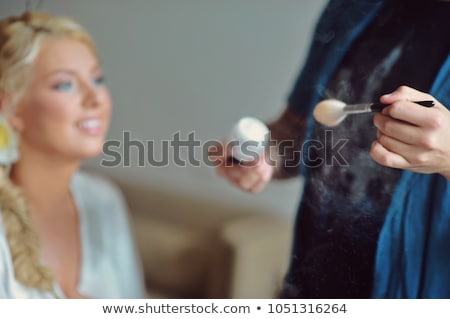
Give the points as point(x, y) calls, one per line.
point(110, 267)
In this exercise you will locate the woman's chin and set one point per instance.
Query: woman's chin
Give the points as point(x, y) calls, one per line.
point(90, 151)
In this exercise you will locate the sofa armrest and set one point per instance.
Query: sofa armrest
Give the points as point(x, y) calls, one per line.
point(259, 246)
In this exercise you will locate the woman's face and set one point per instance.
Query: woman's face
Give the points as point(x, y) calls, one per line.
point(65, 110)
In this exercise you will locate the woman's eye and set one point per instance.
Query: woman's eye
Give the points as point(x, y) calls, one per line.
point(99, 80)
point(64, 86)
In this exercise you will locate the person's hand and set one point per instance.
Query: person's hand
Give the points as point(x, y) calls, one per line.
point(410, 136)
point(251, 177)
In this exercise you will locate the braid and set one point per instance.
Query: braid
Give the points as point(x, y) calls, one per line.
point(22, 239)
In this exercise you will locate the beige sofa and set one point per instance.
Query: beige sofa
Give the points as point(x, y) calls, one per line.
point(193, 248)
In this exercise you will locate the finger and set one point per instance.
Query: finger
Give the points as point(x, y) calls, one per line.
point(404, 93)
point(265, 172)
point(259, 186)
point(413, 113)
point(245, 182)
point(384, 157)
point(232, 174)
point(249, 180)
point(236, 173)
point(397, 129)
point(410, 153)
point(402, 106)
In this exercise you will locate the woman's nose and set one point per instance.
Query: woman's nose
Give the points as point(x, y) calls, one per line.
point(91, 96)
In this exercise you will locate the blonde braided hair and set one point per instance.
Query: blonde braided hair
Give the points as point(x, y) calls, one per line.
point(21, 38)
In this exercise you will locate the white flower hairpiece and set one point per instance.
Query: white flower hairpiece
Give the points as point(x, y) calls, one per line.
point(8, 143)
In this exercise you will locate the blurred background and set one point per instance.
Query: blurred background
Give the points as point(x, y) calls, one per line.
point(197, 66)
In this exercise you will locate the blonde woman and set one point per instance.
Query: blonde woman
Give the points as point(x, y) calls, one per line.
point(63, 233)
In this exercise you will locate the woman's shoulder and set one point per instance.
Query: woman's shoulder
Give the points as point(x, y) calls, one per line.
point(94, 180)
point(96, 192)
point(95, 184)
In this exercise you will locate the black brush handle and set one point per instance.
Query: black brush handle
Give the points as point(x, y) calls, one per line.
point(378, 107)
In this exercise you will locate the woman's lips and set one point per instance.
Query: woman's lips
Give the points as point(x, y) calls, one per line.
point(91, 126)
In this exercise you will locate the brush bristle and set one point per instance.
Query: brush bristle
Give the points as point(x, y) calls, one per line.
point(329, 112)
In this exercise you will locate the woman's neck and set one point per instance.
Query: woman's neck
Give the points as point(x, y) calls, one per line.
point(44, 181)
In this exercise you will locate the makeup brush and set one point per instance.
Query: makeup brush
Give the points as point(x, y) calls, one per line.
point(332, 112)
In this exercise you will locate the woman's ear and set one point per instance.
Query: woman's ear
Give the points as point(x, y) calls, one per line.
point(16, 122)
point(14, 119)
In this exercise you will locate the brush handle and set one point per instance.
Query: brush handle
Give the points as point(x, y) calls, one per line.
point(378, 107)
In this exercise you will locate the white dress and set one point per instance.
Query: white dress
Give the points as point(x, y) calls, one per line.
point(110, 267)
